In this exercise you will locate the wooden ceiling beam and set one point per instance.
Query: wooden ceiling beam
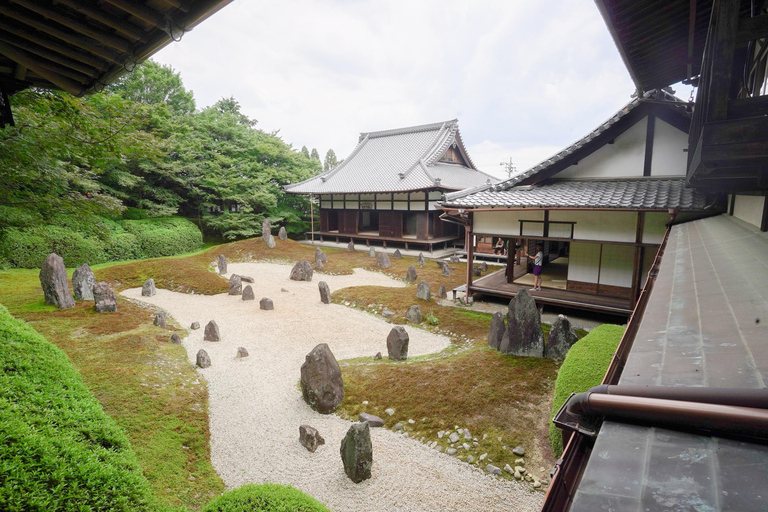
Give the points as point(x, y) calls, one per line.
point(77, 40)
point(53, 45)
point(143, 13)
point(80, 78)
point(81, 28)
point(47, 54)
point(123, 26)
point(176, 4)
point(67, 84)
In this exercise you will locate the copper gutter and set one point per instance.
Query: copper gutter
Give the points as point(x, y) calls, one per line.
point(740, 397)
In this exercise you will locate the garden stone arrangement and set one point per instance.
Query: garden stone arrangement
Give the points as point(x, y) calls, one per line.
point(83, 282)
point(55, 284)
point(252, 400)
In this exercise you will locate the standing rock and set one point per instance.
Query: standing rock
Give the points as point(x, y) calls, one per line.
point(106, 300)
point(484, 266)
point(320, 256)
point(413, 314)
point(371, 252)
point(382, 260)
point(497, 330)
point(524, 326)
point(203, 360)
point(397, 254)
point(83, 281)
point(235, 285)
point(310, 438)
point(266, 230)
point(504, 343)
point(147, 289)
point(423, 291)
point(476, 271)
point(351, 246)
point(357, 452)
point(561, 339)
point(242, 352)
point(446, 269)
point(212, 332)
point(411, 275)
point(318, 265)
point(455, 258)
point(222, 264)
point(175, 339)
point(195, 325)
point(160, 319)
point(53, 279)
point(370, 419)
point(377, 356)
point(421, 259)
point(248, 293)
point(442, 293)
point(266, 304)
point(302, 271)
point(325, 292)
point(397, 343)
point(282, 234)
point(321, 383)
point(271, 242)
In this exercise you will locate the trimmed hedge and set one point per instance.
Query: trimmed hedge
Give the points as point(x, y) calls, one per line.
point(99, 240)
point(59, 450)
point(583, 368)
point(265, 498)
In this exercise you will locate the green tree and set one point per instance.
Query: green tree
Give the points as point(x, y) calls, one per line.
point(330, 161)
point(305, 152)
point(155, 84)
point(315, 155)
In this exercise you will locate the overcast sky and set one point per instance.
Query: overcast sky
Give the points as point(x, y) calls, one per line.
point(524, 78)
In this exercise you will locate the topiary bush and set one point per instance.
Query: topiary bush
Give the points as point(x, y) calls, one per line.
point(28, 248)
point(583, 368)
point(59, 451)
point(165, 236)
point(265, 498)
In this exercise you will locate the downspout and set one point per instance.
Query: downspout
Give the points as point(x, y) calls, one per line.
point(470, 256)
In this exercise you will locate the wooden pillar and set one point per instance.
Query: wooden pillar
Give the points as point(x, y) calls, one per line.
point(636, 269)
point(511, 255)
point(470, 257)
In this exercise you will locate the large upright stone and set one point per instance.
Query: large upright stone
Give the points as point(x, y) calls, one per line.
point(351, 246)
point(413, 314)
point(282, 234)
point(442, 293)
point(203, 360)
point(357, 452)
point(302, 271)
point(371, 252)
point(221, 262)
point(455, 258)
point(382, 260)
point(106, 300)
point(320, 255)
point(397, 254)
point(497, 330)
point(421, 259)
point(524, 326)
point(422, 291)
point(318, 265)
point(321, 383)
point(148, 288)
point(271, 242)
point(397, 343)
point(446, 269)
point(53, 279)
point(325, 292)
point(235, 285)
point(83, 281)
point(161, 320)
point(411, 275)
point(476, 271)
point(248, 293)
point(212, 332)
point(561, 339)
point(266, 230)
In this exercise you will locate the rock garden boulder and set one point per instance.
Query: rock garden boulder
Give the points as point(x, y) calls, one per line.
point(148, 288)
point(476, 271)
point(484, 266)
point(175, 339)
point(221, 262)
point(455, 258)
point(413, 314)
point(497, 330)
point(351, 246)
point(195, 326)
point(242, 352)
point(411, 275)
point(325, 292)
point(371, 252)
point(282, 234)
point(320, 256)
point(83, 282)
point(271, 242)
point(203, 360)
point(266, 230)
point(212, 332)
point(235, 285)
point(446, 269)
point(106, 300)
point(266, 304)
point(561, 339)
point(55, 284)
point(421, 259)
point(387, 313)
point(302, 271)
point(442, 293)
point(357, 452)
point(160, 319)
point(318, 265)
point(422, 291)
point(526, 337)
point(397, 254)
point(247, 279)
point(310, 438)
point(382, 260)
point(397, 343)
point(248, 293)
point(321, 382)
point(370, 419)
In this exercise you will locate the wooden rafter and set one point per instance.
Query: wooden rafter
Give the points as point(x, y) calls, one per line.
point(53, 45)
point(143, 13)
point(128, 30)
point(47, 54)
point(65, 83)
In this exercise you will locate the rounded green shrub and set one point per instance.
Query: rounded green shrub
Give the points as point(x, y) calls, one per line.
point(165, 236)
point(28, 248)
point(123, 246)
point(583, 368)
point(265, 498)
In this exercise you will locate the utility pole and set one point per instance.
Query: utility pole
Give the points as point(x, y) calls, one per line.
point(510, 167)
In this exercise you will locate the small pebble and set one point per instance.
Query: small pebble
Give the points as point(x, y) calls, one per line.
point(389, 411)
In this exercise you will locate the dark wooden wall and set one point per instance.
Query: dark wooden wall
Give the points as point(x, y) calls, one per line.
point(391, 223)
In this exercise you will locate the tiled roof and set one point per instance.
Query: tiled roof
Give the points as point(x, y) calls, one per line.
point(399, 160)
point(704, 326)
point(638, 193)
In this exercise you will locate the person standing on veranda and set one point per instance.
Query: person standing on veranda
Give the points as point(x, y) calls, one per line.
point(538, 261)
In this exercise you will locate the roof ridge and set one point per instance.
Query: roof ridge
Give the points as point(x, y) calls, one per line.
point(429, 149)
point(407, 129)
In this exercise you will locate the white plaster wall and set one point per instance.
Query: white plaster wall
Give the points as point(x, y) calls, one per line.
point(584, 262)
point(401, 205)
point(353, 205)
point(669, 159)
point(596, 225)
point(749, 209)
point(616, 265)
point(654, 227)
point(338, 205)
point(625, 157)
point(503, 223)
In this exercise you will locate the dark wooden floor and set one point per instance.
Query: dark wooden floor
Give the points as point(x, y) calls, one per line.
point(496, 285)
point(430, 243)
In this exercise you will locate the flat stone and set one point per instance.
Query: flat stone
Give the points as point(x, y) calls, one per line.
point(321, 382)
point(175, 339)
point(212, 332)
point(423, 291)
point(397, 343)
point(283, 290)
point(454, 437)
point(160, 319)
point(247, 279)
point(490, 468)
point(83, 282)
point(235, 285)
point(53, 280)
point(105, 298)
point(442, 293)
point(310, 438)
point(526, 337)
point(282, 234)
point(357, 452)
point(397, 254)
point(382, 260)
point(221, 262)
point(266, 304)
point(451, 451)
point(387, 313)
point(389, 411)
point(470, 459)
point(413, 314)
point(325, 292)
point(248, 293)
point(519, 462)
point(203, 360)
point(519, 451)
point(302, 271)
point(560, 340)
point(373, 421)
point(509, 469)
point(242, 352)
point(411, 275)
point(195, 326)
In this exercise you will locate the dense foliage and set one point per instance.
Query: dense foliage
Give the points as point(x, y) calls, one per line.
point(265, 498)
point(60, 452)
point(583, 368)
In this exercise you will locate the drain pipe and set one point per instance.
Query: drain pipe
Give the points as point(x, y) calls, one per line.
point(741, 397)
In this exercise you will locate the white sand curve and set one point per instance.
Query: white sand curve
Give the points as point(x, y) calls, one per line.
point(256, 406)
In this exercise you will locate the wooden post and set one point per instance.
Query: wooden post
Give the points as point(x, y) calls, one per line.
point(470, 257)
point(638, 259)
point(312, 219)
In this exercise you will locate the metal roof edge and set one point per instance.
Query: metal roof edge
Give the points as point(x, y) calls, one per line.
point(467, 192)
point(407, 129)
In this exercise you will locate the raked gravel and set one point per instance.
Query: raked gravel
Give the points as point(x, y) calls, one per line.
point(256, 405)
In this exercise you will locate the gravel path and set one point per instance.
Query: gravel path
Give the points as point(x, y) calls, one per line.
point(256, 405)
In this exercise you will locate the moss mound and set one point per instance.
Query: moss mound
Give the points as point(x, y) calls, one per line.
point(265, 498)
